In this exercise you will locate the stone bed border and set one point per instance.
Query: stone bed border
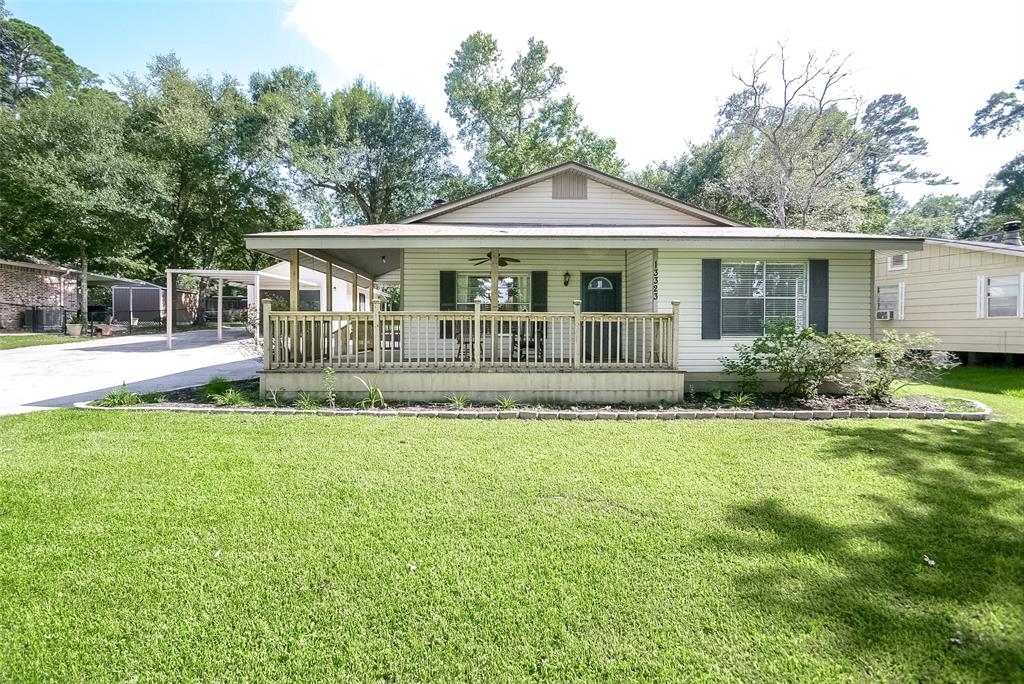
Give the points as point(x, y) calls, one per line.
point(538, 414)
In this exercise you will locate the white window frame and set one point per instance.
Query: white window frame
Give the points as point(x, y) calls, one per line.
point(800, 299)
point(468, 306)
point(901, 298)
point(905, 264)
point(983, 296)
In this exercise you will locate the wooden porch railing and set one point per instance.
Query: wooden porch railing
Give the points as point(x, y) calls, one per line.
point(470, 340)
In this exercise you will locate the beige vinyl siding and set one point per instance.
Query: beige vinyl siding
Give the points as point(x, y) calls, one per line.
point(679, 277)
point(941, 297)
point(604, 205)
point(422, 267)
point(640, 265)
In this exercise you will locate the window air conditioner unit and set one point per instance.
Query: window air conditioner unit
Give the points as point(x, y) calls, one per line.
point(884, 315)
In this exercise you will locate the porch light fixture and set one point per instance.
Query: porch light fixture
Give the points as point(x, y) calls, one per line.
point(383, 258)
point(566, 278)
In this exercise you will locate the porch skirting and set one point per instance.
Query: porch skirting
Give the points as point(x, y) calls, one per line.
point(554, 386)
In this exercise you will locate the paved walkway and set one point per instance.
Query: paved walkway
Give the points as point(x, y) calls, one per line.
point(33, 378)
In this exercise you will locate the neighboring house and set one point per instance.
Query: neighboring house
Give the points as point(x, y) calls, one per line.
point(34, 295)
point(603, 292)
point(970, 294)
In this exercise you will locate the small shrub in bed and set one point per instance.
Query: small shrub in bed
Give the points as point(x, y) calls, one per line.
point(897, 361)
point(215, 385)
point(121, 397)
point(231, 397)
point(802, 360)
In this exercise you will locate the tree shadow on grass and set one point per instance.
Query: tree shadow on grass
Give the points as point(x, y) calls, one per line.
point(888, 610)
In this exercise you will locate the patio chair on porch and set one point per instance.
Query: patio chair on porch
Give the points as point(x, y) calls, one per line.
point(528, 340)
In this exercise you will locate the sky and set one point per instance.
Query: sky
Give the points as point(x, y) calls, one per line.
point(650, 74)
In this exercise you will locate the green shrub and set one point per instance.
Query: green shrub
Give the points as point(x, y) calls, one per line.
point(231, 397)
point(120, 397)
point(801, 360)
point(215, 385)
point(457, 401)
point(506, 403)
point(152, 398)
point(896, 361)
point(330, 387)
point(307, 402)
point(739, 400)
point(374, 397)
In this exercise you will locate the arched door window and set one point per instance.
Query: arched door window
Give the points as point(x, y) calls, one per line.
point(600, 283)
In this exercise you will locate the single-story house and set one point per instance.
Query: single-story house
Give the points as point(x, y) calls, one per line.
point(568, 285)
point(969, 293)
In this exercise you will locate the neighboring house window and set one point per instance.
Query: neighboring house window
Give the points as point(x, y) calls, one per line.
point(889, 302)
point(513, 291)
point(898, 262)
point(757, 291)
point(1001, 296)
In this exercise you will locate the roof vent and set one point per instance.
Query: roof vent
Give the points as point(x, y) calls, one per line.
point(1011, 233)
point(569, 185)
point(437, 202)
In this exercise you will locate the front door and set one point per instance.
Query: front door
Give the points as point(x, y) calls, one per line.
point(602, 293)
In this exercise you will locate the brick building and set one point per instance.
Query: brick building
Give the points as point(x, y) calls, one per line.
point(25, 285)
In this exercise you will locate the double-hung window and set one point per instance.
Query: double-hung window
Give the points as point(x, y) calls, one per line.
point(1003, 296)
point(513, 291)
point(756, 292)
point(889, 302)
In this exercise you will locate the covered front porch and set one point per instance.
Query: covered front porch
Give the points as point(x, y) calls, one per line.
point(483, 324)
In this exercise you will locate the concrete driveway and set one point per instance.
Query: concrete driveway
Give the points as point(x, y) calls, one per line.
point(33, 378)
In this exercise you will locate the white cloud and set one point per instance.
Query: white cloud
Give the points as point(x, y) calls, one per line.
point(652, 75)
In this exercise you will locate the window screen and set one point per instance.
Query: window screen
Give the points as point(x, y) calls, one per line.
point(1002, 293)
point(757, 291)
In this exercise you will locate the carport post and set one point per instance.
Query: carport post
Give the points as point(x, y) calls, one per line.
point(259, 319)
point(169, 306)
point(220, 309)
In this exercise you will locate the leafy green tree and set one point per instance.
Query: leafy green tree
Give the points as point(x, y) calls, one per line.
point(518, 121)
point(802, 162)
point(893, 138)
point(1002, 114)
point(699, 176)
point(221, 183)
point(69, 187)
point(931, 216)
point(375, 157)
point(32, 65)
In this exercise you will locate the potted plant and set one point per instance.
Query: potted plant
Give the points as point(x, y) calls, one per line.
point(75, 325)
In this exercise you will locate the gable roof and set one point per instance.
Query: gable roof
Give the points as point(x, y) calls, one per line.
point(590, 173)
point(980, 246)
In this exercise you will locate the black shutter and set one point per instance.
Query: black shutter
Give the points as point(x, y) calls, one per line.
point(447, 302)
point(817, 301)
point(538, 291)
point(711, 299)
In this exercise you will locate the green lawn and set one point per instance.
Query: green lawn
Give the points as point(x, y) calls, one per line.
point(18, 341)
point(142, 547)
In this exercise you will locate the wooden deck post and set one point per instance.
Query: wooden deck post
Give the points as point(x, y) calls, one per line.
point(577, 332)
point(476, 333)
point(674, 336)
point(293, 281)
point(376, 346)
point(268, 339)
point(329, 291)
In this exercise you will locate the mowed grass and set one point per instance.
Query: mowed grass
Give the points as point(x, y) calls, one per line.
point(156, 547)
point(33, 340)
